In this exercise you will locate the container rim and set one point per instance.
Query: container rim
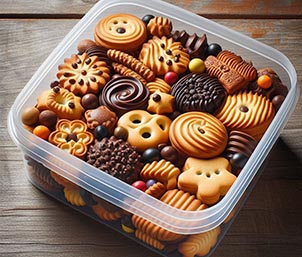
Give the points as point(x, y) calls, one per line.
point(121, 194)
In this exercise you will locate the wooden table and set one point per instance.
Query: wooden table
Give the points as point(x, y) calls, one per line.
point(32, 224)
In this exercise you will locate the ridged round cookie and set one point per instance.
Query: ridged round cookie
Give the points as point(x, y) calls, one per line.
point(198, 92)
point(247, 112)
point(198, 134)
point(124, 32)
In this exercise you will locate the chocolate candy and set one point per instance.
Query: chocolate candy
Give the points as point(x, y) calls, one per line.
point(121, 133)
point(30, 116)
point(100, 132)
point(85, 44)
point(237, 161)
point(213, 49)
point(48, 118)
point(196, 65)
point(139, 184)
point(90, 101)
point(147, 18)
point(151, 154)
point(169, 153)
point(124, 94)
point(198, 92)
point(171, 77)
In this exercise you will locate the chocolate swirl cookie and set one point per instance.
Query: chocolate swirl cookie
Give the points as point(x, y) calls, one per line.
point(198, 92)
point(124, 94)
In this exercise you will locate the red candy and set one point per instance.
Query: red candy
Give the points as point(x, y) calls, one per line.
point(139, 184)
point(171, 77)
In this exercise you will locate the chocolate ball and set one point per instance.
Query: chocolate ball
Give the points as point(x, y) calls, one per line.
point(213, 49)
point(90, 101)
point(85, 44)
point(48, 118)
point(147, 18)
point(121, 133)
point(169, 153)
point(151, 154)
point(277, 101)
point(30, 116)
point(237, 161)
point(100, 132)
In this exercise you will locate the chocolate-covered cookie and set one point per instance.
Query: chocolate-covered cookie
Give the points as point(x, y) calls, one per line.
point(198, 92)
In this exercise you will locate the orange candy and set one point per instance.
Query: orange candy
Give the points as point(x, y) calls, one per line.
point(264, 81)
point(41, 131)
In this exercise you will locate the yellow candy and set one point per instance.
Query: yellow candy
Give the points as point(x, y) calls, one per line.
point(196, 65)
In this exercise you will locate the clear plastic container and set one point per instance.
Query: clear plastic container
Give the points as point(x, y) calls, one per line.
point(41, 157)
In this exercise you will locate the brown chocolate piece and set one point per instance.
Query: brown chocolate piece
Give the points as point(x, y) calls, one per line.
point(48, 118)
point(116, 157)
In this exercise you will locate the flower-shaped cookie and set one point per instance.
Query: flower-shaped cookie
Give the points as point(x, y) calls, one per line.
point(71, 136)
point(207, 178)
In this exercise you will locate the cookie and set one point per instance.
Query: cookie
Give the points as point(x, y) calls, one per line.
point(163, 171)
point(115, 157)
point(82, 74)
point(64, 103)
point(199, 244)
point(124, 32)
point(176, 198)
point(198, 92)
point(149, 240)
point(159, 26)
point(198, 134)
point(145, 130)
point(72, 136)
point(156, 190)
point(132, 63)
point(105, 210)
point(163, 55)
point(247, 112)
point(124, 94)
point(159, 84)
point(72, 195)
point(161, 103)
point(209, 179)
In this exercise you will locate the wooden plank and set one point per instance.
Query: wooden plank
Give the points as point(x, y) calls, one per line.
point(209, 8)
point(32, 224)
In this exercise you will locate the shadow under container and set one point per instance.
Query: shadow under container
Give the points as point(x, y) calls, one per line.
point(45, 161)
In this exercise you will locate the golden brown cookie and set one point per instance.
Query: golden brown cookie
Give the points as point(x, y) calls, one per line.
point(209, 179)
point(82, 74)
point(163, 55)
point(125, 71)
point(159, 26)
point(145, 130)
point(72, 195)
point(176, 198)
point(106, 211)
point(124, 32)
point(159, 84)
point(163, 171)
point(132, 63)
point(247, 112)
point(63, 181)
point(64, 103)
point(161, 103)
point(156, 190)
point(199, 244)
point(198, 134)
point(149, 240)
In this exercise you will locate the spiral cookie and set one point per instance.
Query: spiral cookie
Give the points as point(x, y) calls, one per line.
point(82, 74)
point(159, 84)
point(145, 130)
point(198, 134)
point(163, 55)
point(124, 94)
point(121, 31)
point(247, 112)
point(198, 92)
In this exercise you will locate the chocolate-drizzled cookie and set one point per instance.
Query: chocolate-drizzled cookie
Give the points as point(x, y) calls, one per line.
point(116, 157)
point(198, 92)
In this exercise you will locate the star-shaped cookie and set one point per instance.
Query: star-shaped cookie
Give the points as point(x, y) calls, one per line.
point(207, 178)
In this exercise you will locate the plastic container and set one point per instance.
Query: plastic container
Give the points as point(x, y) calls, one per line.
point(41, 157)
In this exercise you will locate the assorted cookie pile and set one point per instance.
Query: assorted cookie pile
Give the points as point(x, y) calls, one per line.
point(161, 110)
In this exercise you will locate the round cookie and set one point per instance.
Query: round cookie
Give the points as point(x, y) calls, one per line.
point(198, 92)
point(247, 112)
point(145, 130)
point(198, 134)
point(124, 32)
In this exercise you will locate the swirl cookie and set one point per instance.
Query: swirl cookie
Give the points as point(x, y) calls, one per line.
point(145, 130)
point(198, 134)
point(208, 179)
point(124, 94)
point(163, 171)
point(247, 112)
point(159, 26)
point(82, 74)
point(198, 92)
point(62, 102)
point(124, 32)
point(163, 55)
point(159, 84)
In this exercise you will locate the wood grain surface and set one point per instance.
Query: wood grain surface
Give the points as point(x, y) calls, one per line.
point(33, 224)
